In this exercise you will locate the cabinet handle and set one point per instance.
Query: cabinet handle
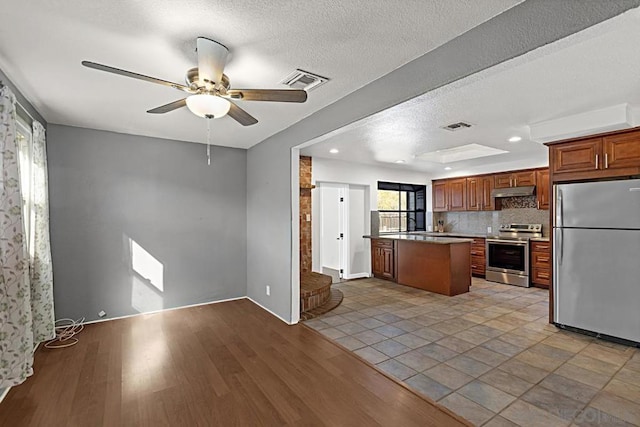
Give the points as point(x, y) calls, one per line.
point(543, 275)
point(596, 161)
point(606, 160)
point(542, 247)
point(543, 259)
point(538, 204)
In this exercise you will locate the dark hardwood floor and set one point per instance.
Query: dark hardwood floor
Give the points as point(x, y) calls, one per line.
point(222, 364)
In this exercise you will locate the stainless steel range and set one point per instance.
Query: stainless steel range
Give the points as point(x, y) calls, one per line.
point(508, 253)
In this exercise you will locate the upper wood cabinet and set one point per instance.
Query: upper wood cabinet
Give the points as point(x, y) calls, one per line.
point(621, 151)
point(457, 194)
point(543, 189)
point(479, 193)
point(473, 193)
point(615, 154)
point(515, 179)
point(578, 156)
point(440, 190)
point(473, 187)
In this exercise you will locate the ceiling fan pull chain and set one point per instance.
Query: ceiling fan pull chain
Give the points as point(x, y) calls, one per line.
point(209, 141)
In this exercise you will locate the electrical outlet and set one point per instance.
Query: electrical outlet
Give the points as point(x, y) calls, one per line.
point(268, 290)
point(489, 229)
point(102, 313)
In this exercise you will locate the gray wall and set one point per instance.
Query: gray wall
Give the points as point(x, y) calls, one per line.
point(107, 188)
point(527, 26)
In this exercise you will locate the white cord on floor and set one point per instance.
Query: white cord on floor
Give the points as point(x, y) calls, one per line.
point(66, 329)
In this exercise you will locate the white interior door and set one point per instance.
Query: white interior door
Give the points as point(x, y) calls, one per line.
point(332, 231)
point(358, 257)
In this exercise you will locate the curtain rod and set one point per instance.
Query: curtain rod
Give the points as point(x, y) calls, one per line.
point(24, 110)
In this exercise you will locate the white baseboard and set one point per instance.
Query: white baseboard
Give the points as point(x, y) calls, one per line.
point(162, 310)
point(4, 393)
point(358, 276)
point(271, 312)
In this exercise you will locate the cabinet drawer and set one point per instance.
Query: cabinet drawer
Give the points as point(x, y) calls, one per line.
point(382, 243)
point(479, 242)
point(541, 276)
point(478, 265)
point(540, 246)
point(477, 252)
point(541, 259)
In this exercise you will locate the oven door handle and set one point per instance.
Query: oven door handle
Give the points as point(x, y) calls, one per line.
point(508, 242)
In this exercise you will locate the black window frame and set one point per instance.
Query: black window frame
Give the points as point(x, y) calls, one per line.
point(415, 196)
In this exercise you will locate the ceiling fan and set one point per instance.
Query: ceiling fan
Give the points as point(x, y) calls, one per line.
point(209, 89)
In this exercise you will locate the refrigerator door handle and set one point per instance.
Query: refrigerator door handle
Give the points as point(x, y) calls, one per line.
point(561, 245)
point(559, 212)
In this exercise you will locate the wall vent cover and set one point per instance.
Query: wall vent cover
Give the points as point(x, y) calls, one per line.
point(456, 126)
point(305, 80)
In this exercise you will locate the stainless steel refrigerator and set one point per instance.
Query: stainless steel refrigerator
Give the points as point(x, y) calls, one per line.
point(596, 270)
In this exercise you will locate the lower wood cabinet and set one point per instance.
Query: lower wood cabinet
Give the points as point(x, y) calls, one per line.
point(541, 264)
point(478, 257)
point(383, 259)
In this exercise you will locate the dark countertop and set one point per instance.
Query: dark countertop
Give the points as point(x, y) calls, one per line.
point(539, 239)
point(422, 237)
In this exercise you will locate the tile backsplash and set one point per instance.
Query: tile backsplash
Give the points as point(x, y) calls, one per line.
point(514, 210)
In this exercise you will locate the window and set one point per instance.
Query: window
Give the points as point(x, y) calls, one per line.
point(25, 146)
point(401, 207)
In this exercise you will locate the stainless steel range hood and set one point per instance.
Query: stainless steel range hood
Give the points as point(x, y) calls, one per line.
point(514, 191)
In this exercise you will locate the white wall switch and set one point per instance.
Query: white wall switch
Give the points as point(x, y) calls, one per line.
point(489, 229)
point(268, 290)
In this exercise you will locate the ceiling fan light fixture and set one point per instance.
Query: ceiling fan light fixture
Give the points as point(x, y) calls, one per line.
point(205, 105)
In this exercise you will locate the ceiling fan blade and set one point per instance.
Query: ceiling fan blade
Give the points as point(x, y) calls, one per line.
point(241, 116)
point(126, 73)
point(212, 57)
point(277, 95)
point(169, 107)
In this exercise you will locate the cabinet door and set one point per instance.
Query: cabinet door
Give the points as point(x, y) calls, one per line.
point(388, 266)
point(503, 180)
point(543, 189)
point(474, 194)
point(458, 194)
point(439, 196)
point(376, 261)
point(578, 156)
point(486, 186)
point(622, 151)
point(524, 179)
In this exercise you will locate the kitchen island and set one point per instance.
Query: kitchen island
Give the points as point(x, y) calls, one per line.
point(436, 264)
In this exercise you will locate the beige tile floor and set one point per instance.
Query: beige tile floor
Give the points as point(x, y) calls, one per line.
point(489, 355)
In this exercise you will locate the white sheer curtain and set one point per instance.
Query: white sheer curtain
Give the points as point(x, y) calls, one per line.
point(40, 268)
point(26, 298)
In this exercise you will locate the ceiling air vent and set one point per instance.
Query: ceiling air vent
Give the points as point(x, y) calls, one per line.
point(456, 126)
point(305, 80)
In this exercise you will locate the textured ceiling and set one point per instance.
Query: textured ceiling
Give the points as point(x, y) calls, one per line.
point(42, 43)
point(595, 68)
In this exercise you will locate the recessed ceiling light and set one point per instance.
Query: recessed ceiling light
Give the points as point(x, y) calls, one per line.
point(448, 168)
point(400, 161)
point(334, 151)
point(515, 139)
